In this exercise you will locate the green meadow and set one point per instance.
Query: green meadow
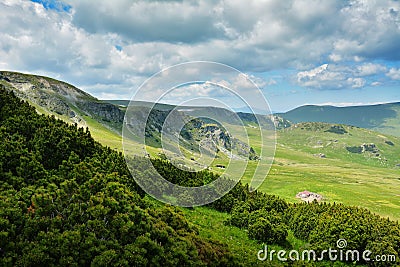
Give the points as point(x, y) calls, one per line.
point(359, 179)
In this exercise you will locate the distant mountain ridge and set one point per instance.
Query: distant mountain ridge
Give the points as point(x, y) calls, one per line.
point(65, 101)
point(72, 104)
point(383, 118)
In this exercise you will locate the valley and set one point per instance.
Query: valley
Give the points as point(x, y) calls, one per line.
point(361, 179)
point(84, 191)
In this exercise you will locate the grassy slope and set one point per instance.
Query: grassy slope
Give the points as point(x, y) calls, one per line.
point(291, 172)
point(353, 179)
point(384, 118)
point(391, 125)
point(342, 177)
point(210, 224)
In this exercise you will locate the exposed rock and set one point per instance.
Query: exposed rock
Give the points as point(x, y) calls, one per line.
point(320, 155)
point(279, 122)
point(104, 111)
point(369, 147)
point(195, 133)
point(365, 148)
point(60, 98)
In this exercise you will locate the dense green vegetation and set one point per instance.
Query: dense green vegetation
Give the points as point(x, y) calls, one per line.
point(269, 219)
point(67, 200)
point(361, 179)
point(344, 175)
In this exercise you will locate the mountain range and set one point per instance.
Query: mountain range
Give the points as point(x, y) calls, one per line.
point(63, 100)
point(384, 118)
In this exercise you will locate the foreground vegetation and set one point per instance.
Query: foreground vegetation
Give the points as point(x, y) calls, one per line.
point(67, 200)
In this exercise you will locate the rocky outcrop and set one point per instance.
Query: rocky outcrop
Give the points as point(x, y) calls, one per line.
point(388, 142)
point(279, 122)
point(60, 98)
point(103, 111)
point(224, 140)
point(195, 132)
point(370, 149)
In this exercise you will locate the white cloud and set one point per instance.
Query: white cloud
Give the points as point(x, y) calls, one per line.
point(320, 77)
point(306, 75)
point(376, 83)
point(327, 77)
point(253, 36)
point(368, 69)
point(356, 82)
point(394, 74)
point(271, 82)
point(335, 57)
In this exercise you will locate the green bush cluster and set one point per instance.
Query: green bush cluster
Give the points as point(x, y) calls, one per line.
point(323, 224)
point(65, 200)
point(263, 217)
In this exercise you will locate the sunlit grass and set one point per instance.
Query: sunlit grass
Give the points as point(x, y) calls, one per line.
point(343, 177)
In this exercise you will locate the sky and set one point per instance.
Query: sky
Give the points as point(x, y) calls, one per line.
point(297, 52)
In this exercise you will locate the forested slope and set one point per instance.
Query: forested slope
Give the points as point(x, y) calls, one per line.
point(68, 201)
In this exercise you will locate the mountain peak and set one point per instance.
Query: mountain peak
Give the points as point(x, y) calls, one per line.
point(59, 98)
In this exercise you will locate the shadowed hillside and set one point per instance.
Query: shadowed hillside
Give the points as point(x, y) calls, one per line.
point(384, 117)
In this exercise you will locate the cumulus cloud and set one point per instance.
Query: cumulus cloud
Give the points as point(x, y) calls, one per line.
point(141, 21)
point(106, 44)
point(371, 29)
point(327, 77)
point(368, 69)
point(394, 74)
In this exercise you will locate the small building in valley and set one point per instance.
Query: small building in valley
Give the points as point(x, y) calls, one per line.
point(308, 196)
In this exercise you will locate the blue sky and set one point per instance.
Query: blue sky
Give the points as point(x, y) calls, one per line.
point(297, 52)
point(54, 5)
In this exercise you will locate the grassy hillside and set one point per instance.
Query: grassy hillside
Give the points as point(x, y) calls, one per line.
point(63, 100)
point(384, 118)
point(314, 157)
point(330, 161)
point(83, 198)
point(66, 200)
point(309, 156)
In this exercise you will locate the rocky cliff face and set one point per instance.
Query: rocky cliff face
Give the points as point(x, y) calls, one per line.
point(214, 134)
point(195, 132)
point(104, 111)
point(60, 98)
